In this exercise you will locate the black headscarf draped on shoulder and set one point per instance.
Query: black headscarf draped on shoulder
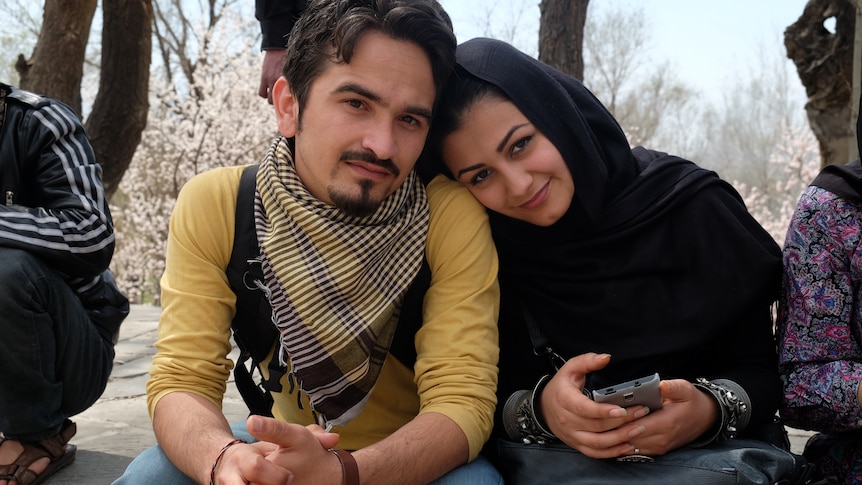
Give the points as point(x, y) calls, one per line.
point(657, 261)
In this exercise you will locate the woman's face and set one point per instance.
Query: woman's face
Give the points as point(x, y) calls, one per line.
point(509, 165)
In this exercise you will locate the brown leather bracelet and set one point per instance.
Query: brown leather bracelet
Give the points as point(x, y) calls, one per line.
point(348, 466)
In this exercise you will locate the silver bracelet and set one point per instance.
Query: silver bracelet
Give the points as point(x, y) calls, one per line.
point(520, 420)
point(733, 404)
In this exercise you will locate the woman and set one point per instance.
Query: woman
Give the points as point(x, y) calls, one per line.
point(820, 319)
point(625, 262)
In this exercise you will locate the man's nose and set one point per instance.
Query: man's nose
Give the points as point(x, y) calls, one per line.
point(380, 139)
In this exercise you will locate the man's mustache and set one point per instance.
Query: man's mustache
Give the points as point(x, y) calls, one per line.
point(368, 157)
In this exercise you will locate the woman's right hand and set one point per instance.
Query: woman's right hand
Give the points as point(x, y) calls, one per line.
point(595, 429)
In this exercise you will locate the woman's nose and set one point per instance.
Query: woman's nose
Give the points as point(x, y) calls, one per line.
point(518, 181)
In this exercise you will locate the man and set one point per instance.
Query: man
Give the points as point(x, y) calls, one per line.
point(343, 226)
point(276, 19)
point(59, 310)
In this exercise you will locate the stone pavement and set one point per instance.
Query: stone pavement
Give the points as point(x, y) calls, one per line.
point(117, 428)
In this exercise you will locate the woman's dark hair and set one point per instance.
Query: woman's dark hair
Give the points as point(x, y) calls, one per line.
point(329, 30)
point(461, 92)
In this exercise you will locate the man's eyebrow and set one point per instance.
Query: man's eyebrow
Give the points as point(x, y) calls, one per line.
point(357, 89)
point(508, 136)
point(365, 93)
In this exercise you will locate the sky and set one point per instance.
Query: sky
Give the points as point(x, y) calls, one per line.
point(709, 43)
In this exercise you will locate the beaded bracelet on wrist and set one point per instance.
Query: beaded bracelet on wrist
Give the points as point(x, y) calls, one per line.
point(733, 406)
point(520, 419)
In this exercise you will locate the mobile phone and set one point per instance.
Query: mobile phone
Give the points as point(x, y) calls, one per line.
point(643, 391)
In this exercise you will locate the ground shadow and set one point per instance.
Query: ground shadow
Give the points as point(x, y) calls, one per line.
point(91, 468)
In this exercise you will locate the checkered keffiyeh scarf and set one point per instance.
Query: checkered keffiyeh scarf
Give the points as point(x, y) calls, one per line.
point(337, 281)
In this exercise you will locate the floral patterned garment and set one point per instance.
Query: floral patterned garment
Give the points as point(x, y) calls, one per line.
point(820, 315)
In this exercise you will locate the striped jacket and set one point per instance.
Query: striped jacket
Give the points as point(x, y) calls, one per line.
point(53, 202)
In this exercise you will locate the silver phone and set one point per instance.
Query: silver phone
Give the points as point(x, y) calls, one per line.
point(643, 391)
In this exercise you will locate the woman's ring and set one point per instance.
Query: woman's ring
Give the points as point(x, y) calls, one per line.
point(636, 457)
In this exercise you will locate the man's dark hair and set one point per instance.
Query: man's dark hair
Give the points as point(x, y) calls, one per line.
point(329, 30)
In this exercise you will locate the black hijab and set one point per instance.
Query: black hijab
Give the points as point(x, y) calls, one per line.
point(657, 261)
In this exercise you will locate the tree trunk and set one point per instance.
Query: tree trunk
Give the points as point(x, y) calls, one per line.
point(561, 35)
point(824, 62)
point(57, 65)
point(119, 113)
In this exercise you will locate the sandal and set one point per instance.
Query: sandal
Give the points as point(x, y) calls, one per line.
point(56, 448)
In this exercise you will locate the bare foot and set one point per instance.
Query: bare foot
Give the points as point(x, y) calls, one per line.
point(10, 450)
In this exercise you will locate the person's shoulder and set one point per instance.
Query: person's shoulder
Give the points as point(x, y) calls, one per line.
point(220, 183)
point(219, 176)
point(26, 107)
point(822, 197)
point(457, 218)
point(30, 99)
point(818, 199)
point(445, 193)
point(26, 97)
point(205, 209)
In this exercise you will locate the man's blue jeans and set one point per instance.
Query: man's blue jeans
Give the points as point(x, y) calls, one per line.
point(152, 466)
point(53, 362)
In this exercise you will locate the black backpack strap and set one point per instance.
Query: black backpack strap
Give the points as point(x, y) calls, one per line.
point(253, 330)
point(541, 345)
point(403, 345)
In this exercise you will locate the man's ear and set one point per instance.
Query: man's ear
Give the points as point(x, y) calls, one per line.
point(286, 108)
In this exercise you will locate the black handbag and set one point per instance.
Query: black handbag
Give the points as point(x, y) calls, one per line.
point(731, 462)
point(738, 461)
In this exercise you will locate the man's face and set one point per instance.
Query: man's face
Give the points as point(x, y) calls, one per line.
point(363, 125)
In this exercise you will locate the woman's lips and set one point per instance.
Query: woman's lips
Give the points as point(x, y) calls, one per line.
point(537, 199)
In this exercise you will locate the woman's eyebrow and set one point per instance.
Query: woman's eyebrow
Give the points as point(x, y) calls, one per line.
point(469, 169)
point(508, 136)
